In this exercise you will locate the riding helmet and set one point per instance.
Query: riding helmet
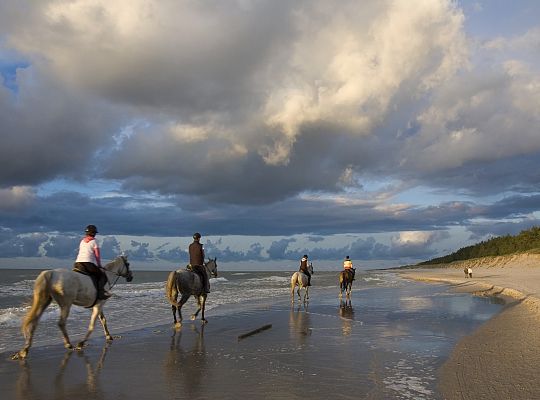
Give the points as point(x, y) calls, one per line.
point(91, 229)
point(196, 236)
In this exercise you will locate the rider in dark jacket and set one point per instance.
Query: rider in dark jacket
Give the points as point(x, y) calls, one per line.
point(304, 268)
point(196, 260)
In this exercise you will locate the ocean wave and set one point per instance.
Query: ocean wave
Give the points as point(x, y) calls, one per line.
point(272, 278)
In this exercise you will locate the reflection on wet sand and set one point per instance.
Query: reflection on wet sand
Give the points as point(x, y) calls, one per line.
point(299, 323)
point(346, 312)
point(27, 388)
point(184, 369)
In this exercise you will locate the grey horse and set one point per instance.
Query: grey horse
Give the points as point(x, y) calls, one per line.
point(301, 280)
point(66, 288)
point(187, 283)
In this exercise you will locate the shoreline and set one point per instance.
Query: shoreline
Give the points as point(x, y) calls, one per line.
point(378, 347)
point(500, 359)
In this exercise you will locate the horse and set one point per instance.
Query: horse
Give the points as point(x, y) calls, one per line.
point(300, 279)
point(69, 288)
point(188, 283)
point(346, 279)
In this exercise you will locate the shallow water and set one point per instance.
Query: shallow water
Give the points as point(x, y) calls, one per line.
point(401, 331)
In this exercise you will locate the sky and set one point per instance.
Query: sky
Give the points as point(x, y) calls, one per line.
point(388, 132)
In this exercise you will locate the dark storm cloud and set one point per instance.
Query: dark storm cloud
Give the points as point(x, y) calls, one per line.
point(110, 248)
point(50, 131)
point(487, 230)
point(22, 246)
point(69, 213)
point(259, 118)
point(62, 246)
point(139, 251)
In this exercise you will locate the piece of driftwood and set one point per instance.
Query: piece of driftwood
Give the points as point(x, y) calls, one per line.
point(253, 332)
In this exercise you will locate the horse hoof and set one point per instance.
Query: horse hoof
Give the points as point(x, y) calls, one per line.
point(193, 317)
point(204, 321)
point(178, 325)
point(109, 338)
point(80, 346)
point(18, 356)
point(68, 346)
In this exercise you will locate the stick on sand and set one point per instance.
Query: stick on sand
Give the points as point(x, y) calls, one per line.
point(253, 332)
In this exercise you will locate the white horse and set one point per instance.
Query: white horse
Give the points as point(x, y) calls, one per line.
point(301, 280)
point(67, 288)
point(187, 283)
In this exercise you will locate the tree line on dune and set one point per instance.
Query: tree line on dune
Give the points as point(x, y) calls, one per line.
point(526, 240)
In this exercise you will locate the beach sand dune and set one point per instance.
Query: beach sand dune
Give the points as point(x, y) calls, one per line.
point(501, 359)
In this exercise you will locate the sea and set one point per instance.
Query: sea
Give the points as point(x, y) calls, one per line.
point(419, 322)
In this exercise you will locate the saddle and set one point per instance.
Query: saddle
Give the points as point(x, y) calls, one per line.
point(94, 281)
point(350, 273)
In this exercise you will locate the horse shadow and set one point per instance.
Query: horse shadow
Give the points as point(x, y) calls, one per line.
point(346, 312)
point(186, 365)
point(64, 387)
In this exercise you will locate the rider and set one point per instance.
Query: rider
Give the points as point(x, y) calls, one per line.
point(304, 268)
point(196, 260)
point(348, 266)
point(89, 261)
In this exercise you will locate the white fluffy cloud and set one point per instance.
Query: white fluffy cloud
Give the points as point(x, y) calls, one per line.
point(256, 108)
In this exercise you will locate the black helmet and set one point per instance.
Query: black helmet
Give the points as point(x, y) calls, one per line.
point(305, 256)
point(196, 236)
point(91, 229)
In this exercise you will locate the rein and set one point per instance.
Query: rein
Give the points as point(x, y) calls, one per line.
point(118, 274)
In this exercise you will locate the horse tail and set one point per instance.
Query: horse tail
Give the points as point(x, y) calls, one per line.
point(41, 300)
point(171, 290)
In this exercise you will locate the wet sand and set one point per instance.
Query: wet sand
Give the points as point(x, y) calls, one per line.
point(501, 359)
point(329, 350)
point(302, 355)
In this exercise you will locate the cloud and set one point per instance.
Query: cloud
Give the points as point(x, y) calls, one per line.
point(261, 118)
point(23, 246)
point(291, 105)
point(16, 197)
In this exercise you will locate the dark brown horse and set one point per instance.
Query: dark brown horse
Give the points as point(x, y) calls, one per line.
point(346, 278)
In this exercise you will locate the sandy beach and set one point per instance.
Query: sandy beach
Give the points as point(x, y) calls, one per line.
point(500, 360)
point(404, 340)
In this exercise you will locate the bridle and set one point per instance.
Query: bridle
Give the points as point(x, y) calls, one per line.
point(124, 272)
point(213, 271)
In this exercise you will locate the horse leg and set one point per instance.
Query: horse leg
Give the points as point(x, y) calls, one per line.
point(103, 321)
point(183, 300)
point(64, 313)
point(306, 294)
point(95, 312)
point(293, 285)
point(201, 302)
point(30, 325)
point(174, 314)
point(194, 315)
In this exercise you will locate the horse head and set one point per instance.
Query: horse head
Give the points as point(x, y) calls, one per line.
point(211, 266)
point(126, 273)
point(120, 267)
